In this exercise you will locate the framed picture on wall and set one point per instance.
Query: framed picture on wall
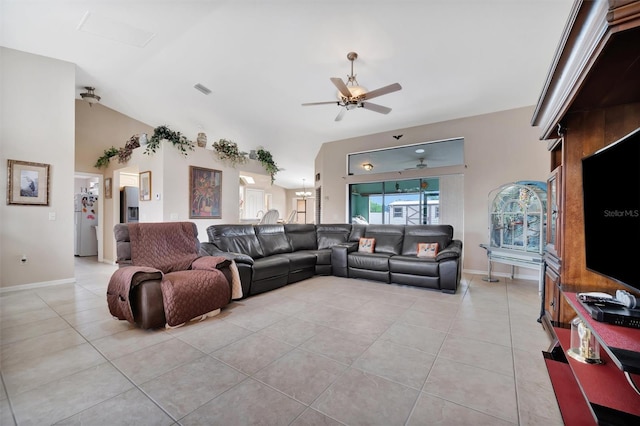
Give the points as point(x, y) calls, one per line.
point(145, 186)
point(27, 183)
point(205, 193)
point(107, 188)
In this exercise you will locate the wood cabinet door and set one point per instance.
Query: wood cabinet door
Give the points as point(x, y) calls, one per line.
point(552, 302)
point(554, 197)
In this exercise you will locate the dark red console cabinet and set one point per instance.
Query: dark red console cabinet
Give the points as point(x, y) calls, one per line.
point(597, 393)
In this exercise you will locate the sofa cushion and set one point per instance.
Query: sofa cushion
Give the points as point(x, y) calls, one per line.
point(300, 260)
point(330, 235)
point(268, 267)
point(413, 266)
point(388, 237)
point(236, 238)
point(272, 239)
point(413, 235)
point(371, 261)
point(301, 236)
point(357, 232)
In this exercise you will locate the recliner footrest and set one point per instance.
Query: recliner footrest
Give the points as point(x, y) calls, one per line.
point(192, 293)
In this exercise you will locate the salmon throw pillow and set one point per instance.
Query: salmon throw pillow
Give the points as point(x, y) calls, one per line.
point(366, 245)
point(429, 250)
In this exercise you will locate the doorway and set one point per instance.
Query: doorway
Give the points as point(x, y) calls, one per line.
point(88, 215)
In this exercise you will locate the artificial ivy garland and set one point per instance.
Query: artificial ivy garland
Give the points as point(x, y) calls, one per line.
point(103, 161)
point(228, 150)
point(265, 158)
point(176, 138)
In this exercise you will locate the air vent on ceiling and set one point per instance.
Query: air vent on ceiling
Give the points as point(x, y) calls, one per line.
point(200, 88)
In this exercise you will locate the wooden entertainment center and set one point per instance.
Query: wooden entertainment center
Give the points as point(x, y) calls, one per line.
point(591, 98)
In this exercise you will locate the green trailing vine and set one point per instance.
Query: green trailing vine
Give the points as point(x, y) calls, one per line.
point(178, 140)
point(228, 150)
point(265, 158)
point(103, 161)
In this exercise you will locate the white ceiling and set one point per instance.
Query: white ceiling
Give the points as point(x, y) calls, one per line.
point(263, 59)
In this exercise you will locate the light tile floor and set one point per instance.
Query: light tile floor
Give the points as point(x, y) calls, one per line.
point(325, 351)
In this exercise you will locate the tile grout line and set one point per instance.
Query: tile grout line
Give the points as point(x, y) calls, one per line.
point(13, 414)
point(435, 359)
point(113, 365)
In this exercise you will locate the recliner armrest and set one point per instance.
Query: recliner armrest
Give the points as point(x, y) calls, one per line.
point(453, 250)
point(339, 255)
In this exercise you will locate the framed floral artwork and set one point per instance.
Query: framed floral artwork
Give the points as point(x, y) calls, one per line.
point(205, 193)
point(27, 183)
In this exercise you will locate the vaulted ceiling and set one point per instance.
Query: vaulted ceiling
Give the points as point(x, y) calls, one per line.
point(263, 59)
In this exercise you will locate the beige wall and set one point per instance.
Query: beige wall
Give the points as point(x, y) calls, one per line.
point(37, 125)
point(499, 148)
point(98, 128)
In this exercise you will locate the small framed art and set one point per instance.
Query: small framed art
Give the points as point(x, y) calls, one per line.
point(107, 188)
point(145, 185)
point(27, 183)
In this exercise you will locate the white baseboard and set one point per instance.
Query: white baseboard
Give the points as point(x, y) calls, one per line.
point(36, 285)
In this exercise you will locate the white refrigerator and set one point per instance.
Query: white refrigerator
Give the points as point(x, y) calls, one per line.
point(86, 221)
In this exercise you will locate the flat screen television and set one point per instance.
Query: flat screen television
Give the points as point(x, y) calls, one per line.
point(611, 188)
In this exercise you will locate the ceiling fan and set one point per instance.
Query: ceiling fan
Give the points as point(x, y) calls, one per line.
point(351, 95)
point(420, 165)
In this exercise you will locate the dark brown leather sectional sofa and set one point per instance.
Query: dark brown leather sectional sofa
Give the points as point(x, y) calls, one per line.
point(272, 256)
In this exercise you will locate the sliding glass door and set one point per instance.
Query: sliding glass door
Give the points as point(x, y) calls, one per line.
point(402, 202)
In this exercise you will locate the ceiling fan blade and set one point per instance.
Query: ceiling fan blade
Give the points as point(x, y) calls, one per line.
point(375, 107)
point(383, 91)
point(340, 114)
point(321, 103)
point(342, 88)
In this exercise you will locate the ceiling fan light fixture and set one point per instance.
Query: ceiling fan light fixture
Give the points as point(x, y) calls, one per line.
point(356, 91)
point(367, 166)
point(351, 95)
point(90, 96)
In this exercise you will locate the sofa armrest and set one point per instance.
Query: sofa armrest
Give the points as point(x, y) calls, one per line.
point(211, 250)
point(339, 257)
point(453, 250)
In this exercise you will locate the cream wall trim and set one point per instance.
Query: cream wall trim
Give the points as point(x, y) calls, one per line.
point(36, 285)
